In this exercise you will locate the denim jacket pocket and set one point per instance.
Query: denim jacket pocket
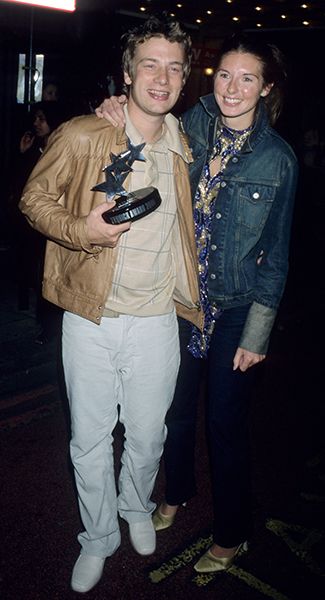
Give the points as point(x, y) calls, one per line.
point(255, 204)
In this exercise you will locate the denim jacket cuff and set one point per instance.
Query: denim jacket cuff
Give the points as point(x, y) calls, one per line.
point(257, 329)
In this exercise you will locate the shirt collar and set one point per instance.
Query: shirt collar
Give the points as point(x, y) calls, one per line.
point(170, 139)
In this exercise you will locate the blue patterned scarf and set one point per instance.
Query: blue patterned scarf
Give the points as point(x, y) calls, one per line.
point(228, 143)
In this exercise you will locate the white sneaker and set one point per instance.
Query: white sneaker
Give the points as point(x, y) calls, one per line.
point(143, 537)
point(86, 572)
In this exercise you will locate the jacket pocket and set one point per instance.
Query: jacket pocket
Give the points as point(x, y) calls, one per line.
point(255, 204)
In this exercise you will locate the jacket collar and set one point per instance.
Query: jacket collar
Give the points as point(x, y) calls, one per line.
point(261, 123)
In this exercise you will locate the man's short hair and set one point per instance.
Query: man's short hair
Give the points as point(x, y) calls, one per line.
point(162, 26)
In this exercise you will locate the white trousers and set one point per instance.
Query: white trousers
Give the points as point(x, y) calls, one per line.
point(130, 362)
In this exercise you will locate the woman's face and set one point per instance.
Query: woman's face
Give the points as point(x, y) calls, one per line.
point(40, 124)
point(238, 86)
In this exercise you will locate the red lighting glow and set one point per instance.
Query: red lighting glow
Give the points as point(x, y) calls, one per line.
point(68, 5)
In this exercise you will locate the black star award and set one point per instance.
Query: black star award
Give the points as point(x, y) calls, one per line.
point(129, 206)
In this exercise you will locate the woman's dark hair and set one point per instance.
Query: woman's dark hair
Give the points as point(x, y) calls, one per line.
point(273, 67)
point(162, 26)
point(54, 112)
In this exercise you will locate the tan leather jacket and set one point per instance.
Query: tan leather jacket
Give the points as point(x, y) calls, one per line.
point(56, 201)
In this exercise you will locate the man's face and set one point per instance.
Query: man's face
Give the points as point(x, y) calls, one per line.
point(50, 93)
point(157, 78)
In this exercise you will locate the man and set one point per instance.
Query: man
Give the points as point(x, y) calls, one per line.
point(116, 284)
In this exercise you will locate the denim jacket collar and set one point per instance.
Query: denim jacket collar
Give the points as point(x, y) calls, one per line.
point(261, 123)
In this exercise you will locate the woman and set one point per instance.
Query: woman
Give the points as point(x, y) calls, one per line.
point(243, 180)
point(44, 118)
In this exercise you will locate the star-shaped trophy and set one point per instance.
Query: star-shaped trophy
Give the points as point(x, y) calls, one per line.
point(129, 206)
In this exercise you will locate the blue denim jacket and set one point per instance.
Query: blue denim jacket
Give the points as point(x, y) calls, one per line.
point(248, 260)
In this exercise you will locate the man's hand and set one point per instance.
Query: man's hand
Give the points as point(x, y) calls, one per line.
point(112, 110)
point(26, 141)
point(101, 233)
point(244, 359)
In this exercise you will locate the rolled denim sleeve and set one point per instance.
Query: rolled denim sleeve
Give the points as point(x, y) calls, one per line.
point(272, 272)
point(257, 330)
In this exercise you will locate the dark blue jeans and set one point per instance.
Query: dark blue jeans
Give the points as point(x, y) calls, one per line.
point(227, 395)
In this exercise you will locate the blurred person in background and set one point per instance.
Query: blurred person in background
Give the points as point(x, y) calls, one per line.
point(50, 92)
point(29, 245)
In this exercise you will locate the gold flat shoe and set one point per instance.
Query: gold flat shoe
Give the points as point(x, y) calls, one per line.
point(209, 563)
point(161, 521)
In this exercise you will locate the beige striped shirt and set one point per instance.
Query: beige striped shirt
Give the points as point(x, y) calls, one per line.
point(144, 277)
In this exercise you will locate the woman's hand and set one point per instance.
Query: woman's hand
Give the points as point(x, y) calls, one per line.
point(244, 359)
point(112, 110)
point(26, 141)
